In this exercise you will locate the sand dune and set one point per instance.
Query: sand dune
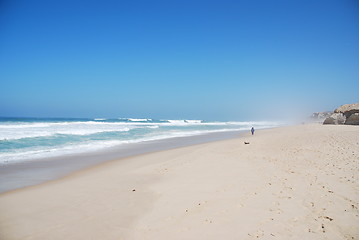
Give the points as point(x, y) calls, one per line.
point(298, 182)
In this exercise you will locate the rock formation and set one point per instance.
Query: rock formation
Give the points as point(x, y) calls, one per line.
point(335, 118)
point(348, 109)
point(320, 116)
point(345, 114)
point(353, 119)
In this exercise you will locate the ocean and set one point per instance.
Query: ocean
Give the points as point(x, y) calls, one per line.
point(27, 139)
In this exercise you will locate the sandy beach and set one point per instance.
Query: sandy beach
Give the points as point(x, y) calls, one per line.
point(297, 182)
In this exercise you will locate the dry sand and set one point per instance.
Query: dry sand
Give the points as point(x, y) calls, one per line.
point(298, 182)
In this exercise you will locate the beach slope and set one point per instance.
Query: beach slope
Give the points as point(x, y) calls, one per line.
point(297, 182)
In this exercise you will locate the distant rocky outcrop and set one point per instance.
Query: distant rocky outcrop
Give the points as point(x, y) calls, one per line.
point(320, 116)
point(346, 114)
point(335, 118)
point(348, 109)
point(353, 119)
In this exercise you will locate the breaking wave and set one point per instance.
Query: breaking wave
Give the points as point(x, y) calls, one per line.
point(23, 139)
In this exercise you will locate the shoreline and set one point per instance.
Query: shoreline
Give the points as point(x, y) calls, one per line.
point(296, 182)
point(36, 171)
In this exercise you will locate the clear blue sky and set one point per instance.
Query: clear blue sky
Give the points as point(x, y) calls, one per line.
point(214, 60)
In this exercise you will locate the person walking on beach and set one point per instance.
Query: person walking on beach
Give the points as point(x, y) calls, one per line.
point(252, 130)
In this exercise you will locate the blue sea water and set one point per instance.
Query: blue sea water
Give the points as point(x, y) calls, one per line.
point(25, 139)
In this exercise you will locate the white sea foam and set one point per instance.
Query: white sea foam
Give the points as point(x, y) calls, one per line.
point(44, 130)
point(144, 130)
point(139, 119)
point(193, 121)
point(39, 153)
point(177, 121)
point(31, 130)
point(184, 122)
